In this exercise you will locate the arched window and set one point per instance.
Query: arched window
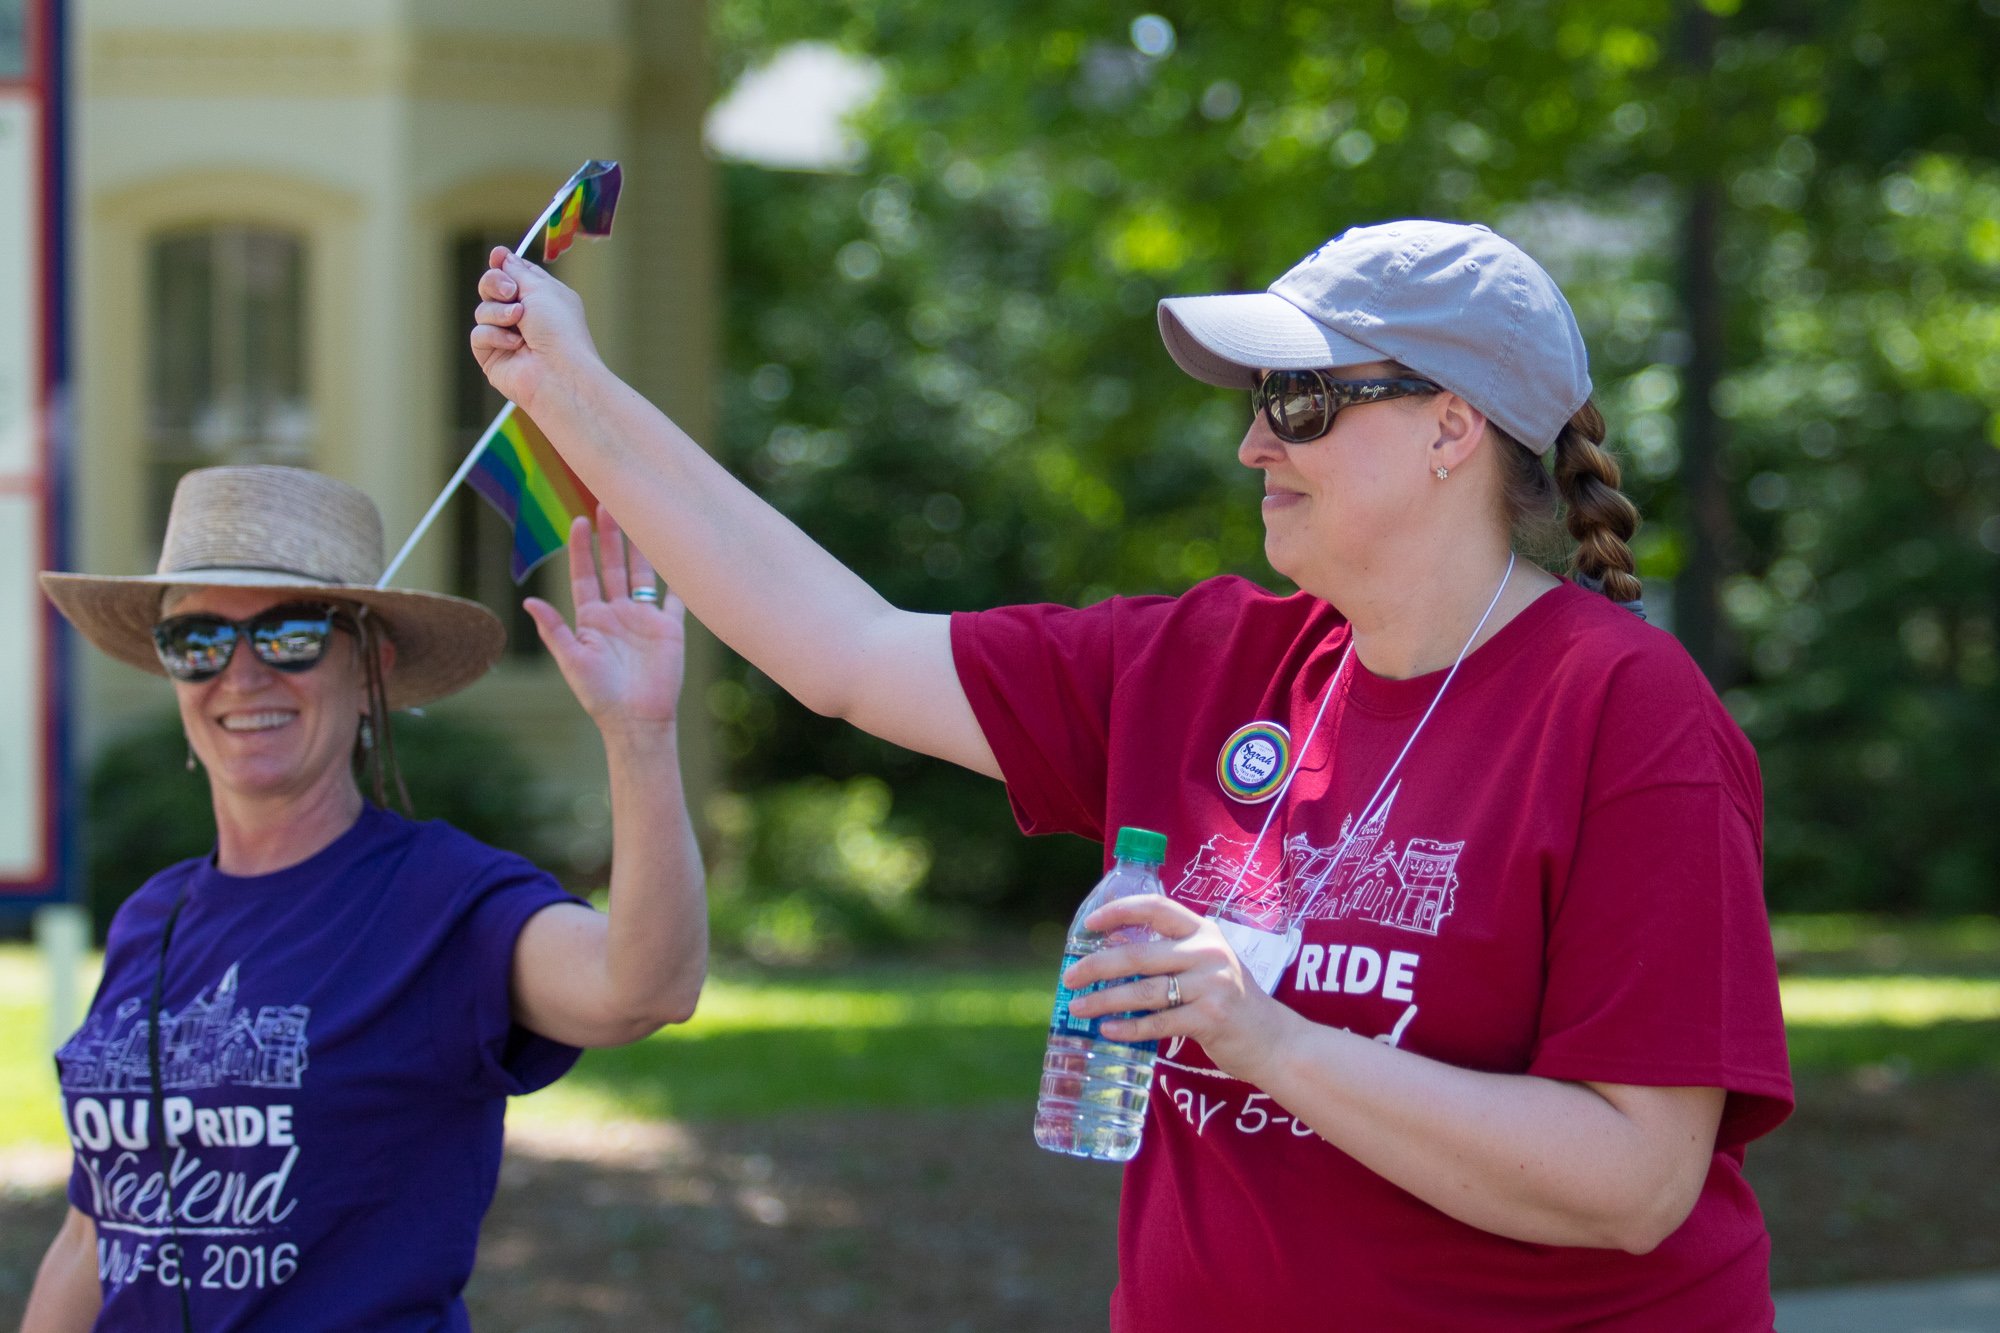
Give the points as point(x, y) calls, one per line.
point(227, 379)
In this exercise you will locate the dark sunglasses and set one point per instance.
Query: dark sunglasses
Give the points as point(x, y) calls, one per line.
point(1301, 404)
point(291, 637)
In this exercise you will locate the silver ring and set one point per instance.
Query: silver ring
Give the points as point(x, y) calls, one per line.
point(1174, 1000)
point(650, 595)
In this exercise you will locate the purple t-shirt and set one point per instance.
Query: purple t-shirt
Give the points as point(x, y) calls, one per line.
point(336, 1050)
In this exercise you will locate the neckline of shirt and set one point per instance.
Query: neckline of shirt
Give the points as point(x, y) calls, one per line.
point(366, 827)
point(1382, 696)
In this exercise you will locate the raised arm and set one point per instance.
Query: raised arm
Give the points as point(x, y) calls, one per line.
point(603, 979)
point(763, 586)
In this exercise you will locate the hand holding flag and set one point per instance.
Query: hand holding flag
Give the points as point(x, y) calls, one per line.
point(528, 477)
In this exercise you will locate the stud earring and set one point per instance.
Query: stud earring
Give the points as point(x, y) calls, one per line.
point(1443, 473)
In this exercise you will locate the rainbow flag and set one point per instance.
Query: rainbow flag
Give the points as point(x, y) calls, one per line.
point(592, 200)
point(523, 477)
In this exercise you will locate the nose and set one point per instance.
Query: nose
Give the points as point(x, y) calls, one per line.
point(1260, 448)
point(246, 671)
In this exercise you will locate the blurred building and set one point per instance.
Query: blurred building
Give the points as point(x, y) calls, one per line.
point(281, 208)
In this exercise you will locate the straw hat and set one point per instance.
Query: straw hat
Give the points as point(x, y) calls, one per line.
point(284, 528)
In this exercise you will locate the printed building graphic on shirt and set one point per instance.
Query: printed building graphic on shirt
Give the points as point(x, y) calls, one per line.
point(1362, 877)
point(209, 1043)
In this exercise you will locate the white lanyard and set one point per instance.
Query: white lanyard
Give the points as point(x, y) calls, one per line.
point(1266, 953)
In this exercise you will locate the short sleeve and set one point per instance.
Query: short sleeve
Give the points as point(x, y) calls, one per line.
point(476, 1027)
point(1039, 679)
point(1660, 970)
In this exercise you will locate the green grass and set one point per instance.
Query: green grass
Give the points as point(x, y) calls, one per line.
point(1892, 1001)
point(27, 1077)
point(758, 1072)
point(1847, 942)
point(897, 1037)
point(1858, 991)
point(1922, 1024)
point(1941, 1048)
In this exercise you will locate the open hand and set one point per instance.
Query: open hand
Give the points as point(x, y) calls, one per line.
point(527, 326)
point(625, 658)
point(1222, 1007)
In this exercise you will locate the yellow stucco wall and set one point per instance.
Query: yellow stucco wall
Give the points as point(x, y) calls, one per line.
point(377, 130)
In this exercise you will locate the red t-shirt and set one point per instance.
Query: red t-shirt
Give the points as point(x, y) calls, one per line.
point(1566, 883)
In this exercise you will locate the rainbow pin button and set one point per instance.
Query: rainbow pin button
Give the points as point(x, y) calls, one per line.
point(1253, 762)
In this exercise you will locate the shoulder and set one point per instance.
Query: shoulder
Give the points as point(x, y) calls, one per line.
point(1594, 634)
point(1231, 602)
point(132, 941)
point(464, 890)
point(1655, 711)
point(432, 869)
point(1218, 616)
point(1214, 612)
point(146, 910)
point(1228, 619)
point(435, 848)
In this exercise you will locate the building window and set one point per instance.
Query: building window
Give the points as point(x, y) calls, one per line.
point(228, 381)
point(483, 540)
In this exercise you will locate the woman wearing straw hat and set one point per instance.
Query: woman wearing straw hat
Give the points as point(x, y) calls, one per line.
point(286, 1099)
point(1464, 987)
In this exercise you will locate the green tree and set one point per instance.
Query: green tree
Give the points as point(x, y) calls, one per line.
point(946, 366)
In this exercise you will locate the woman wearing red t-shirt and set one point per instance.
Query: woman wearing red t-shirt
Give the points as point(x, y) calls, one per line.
point(1464, 987)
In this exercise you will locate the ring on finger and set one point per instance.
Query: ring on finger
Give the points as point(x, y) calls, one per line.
point(649, 594)
point(1174, 1000)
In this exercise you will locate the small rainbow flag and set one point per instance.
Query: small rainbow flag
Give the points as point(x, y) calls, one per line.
point(521, 475)
point(592, 200)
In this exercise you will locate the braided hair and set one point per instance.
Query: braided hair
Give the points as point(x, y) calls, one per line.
point(1581, 482)
point(374, 742)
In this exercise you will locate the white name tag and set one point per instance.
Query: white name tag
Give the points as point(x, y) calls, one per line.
point(1265, 954)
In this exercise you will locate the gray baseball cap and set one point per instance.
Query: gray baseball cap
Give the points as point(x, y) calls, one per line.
point(1455, 303)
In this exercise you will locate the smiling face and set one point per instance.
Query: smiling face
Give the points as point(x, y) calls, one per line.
point(1341, 501)
point(263, 733)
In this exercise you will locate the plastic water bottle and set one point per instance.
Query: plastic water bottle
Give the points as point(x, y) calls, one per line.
point(1094, 1090)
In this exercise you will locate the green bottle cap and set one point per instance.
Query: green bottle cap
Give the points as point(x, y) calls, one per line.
point(1138, 844)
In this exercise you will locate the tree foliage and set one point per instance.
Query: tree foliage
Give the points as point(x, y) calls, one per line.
point(946, 365)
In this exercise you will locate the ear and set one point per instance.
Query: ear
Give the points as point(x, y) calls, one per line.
point(386, 647)
point(1460, 428)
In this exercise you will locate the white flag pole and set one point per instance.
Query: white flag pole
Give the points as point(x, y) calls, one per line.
point(451, 487)
point(547, 213)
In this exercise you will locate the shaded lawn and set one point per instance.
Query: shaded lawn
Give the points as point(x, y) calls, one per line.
point(1941, 1048)
point(1883, 1173)
point(730, 1075)
point(912, 1036)
point(909, 1036)
point(915, 1038)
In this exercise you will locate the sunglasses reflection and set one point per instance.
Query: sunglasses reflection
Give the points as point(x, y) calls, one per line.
point(293, 637)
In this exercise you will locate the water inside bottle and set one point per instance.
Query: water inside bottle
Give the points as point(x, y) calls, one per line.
point(1094, 1091)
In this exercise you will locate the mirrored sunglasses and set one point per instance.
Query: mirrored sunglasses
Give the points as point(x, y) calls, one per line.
point(291, 637)
point(1301, 404)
